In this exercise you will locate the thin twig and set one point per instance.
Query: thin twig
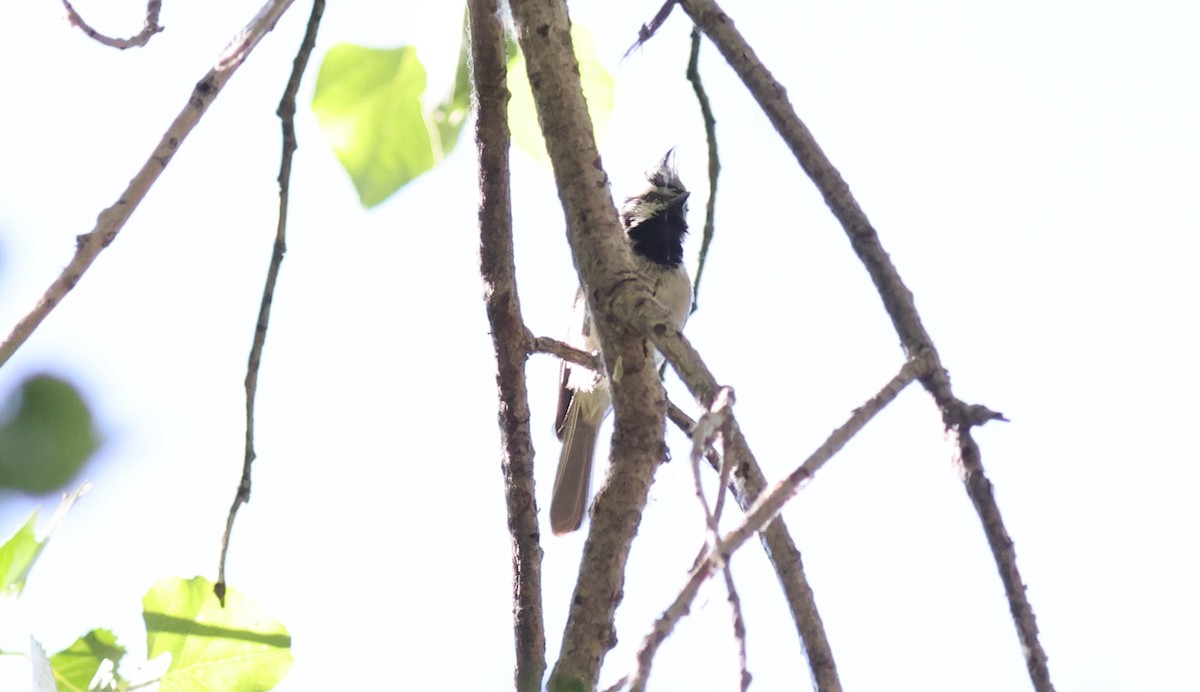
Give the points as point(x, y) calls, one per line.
point(510, 339)
point(111, 220)
point(647, 31)
point(749, 485)
point(714, 162)
point(726, 466)
point(704, 434)
point(957, 416)
point(564, 351)
point(287, 116)
point(739, 628)
point(149, 28)
point(764, 510)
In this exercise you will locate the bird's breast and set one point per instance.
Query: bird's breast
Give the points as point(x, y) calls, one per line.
point(673, 289)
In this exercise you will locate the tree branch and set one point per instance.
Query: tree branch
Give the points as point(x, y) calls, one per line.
point(713, 421)
point(764, 510)
point(748, 484)
point(510, 339)
point(287, 117)
point(739, 628)
point(563, 351)
point(714, 162)
point(112, 220)
point(718, 420)
point(149, 28)
point(648, 30)
point(615, 295)
point(898, 301)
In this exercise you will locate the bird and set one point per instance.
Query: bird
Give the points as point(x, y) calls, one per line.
point(655, 223)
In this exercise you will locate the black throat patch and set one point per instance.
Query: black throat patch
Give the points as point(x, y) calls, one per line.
point(660, 237)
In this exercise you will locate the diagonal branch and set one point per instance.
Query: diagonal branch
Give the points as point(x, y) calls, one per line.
point(648, 30)
point(510, 339)
point(763, 511)
point(287, 119)
point(113, 219)
point(898, 301)
point(748, 484)
point(719, 420)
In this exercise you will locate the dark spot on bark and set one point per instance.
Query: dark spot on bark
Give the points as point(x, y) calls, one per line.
point(543, 30)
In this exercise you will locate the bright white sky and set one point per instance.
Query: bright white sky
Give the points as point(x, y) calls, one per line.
point(1032, 169)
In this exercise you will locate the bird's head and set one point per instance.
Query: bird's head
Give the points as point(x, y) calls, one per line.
point(656, 218)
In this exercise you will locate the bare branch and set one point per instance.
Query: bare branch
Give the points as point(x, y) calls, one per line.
point(704, 434)
point(616, 300)
point(957, 416)
point(684, 358)
point(747, 484)
point(727, 462)
point(149, 28)
point(287, 115)
point(111, 220)
point(767, 506)
point(563, 351)
point(647, 31)
point(764, 510)
point(739, 627)
point(510, 339)
point(714, 162)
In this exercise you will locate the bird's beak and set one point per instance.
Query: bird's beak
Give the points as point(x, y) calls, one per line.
point(678, 201)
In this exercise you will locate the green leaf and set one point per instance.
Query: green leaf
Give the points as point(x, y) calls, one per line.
point(598, 88)
point(17, 556)
point(238, 647)
point(18, 553)
point(47, 436)
point(75, 666)
point(368, 102)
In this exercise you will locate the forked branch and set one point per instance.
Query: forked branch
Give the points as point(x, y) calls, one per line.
point(763, 511)
point(957, 416)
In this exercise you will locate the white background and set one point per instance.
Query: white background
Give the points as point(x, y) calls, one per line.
point(1032, 168)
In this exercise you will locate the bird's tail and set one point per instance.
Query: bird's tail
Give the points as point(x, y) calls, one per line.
point(574, 478)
